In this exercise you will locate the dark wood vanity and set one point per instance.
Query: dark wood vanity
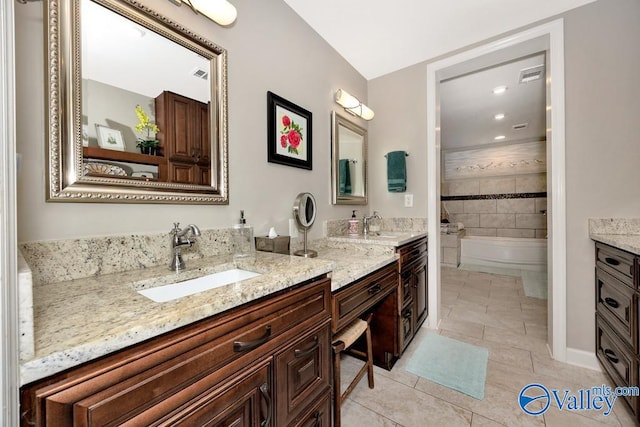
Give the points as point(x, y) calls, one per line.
point(264, 363)
point(617, 313)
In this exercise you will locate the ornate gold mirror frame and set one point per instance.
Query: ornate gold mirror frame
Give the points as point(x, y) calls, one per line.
point(68, 180)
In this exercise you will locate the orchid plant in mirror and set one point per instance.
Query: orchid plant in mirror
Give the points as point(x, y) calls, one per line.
point(146, 96)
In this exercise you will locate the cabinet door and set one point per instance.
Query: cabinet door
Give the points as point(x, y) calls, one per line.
point(318, 416)
point(179, 129)
point(182, 173)
point(303, 373)
point(420, 292)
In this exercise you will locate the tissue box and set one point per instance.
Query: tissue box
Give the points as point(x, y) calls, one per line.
point(278, 245)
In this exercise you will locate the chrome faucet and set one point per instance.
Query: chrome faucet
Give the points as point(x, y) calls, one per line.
point(365, 221)
point(178, 241)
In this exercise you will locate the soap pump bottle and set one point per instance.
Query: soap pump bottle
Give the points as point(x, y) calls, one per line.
point(353, 225)
point(244, 245)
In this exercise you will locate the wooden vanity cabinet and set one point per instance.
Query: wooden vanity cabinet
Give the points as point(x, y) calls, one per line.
point(265, 363)
point(412, 304)
point(617, 311)
point(185, 138)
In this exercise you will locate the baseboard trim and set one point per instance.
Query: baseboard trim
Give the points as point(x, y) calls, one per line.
point(584, 359)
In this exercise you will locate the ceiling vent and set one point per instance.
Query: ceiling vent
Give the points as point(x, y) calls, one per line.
point(520, 126)
point(200, 73)
point(531, 73)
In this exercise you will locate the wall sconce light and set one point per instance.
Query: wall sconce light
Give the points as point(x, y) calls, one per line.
point(219, 11)
point(352, 105)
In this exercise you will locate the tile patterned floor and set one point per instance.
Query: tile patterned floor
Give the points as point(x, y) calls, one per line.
point(488, 310)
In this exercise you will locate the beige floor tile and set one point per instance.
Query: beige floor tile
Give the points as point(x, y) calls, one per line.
point(506, 336)
point(470, 306)
point(499, 404)
point(464, 327)
point(624, 415)
point(354, 414)
point(409, 407)
point(506, 376)
point(503, 292)
point(556, 418)
point(464, 296)
point(516, 325)
point(480, 421)
point(535, 329)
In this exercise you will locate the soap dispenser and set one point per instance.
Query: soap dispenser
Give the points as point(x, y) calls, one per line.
point(353, 225)
point(243, 243)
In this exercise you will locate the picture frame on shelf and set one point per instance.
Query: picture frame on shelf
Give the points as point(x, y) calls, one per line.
point(289, 128)
point(109, 138)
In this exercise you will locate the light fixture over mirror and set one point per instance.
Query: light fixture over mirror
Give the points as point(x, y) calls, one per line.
point(219, 11)
point(352, 105)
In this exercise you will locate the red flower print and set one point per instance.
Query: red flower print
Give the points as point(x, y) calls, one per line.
point(286, 121)
point(283, 141)
point(294, 138)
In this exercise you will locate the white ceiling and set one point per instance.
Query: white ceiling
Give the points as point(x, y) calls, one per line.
point(378, 37)
point(468, 106)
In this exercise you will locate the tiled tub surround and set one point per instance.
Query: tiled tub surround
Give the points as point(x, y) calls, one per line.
point(85, 318)
point(622, 233)
point(499, 206)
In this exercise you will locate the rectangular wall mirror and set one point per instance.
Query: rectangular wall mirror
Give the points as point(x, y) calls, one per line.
point(113, 67)
point(348, 162)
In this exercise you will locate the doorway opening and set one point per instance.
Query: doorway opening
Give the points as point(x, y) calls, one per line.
point(547, 38)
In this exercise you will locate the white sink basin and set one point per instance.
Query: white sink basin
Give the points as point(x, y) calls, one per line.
point(193, 286)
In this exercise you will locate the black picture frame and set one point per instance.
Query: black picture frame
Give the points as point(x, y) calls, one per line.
point(290, 131)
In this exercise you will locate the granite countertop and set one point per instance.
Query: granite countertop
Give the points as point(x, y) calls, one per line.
point(76, 321)
point(627, 242)
point(80, 320)
point(386, 238)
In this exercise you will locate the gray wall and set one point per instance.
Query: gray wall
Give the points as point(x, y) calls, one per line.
point(269, 48)
point(602, 127)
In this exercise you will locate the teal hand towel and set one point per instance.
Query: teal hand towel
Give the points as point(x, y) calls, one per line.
point(397, 172)
point(345, 176)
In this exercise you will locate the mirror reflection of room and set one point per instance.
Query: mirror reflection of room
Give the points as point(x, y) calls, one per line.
point(349, 161)
point(142, 116)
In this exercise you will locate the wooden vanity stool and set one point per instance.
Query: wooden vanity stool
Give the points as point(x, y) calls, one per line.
point(341, 342)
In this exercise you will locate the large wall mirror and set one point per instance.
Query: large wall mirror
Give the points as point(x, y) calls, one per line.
point(349, 162)
point(137, 107)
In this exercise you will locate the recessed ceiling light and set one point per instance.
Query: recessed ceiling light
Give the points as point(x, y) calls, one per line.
point(499, 116)
point(499, 137)
point(499, 90)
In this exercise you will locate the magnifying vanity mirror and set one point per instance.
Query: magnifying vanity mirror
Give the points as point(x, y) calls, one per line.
point(137, 107)
point(304, 211)
point(349, 162)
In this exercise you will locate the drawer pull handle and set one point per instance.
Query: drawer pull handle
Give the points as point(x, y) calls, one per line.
point(611, 261)
point(375, 289)
point(611, 302)
point(407, 314)
point(316, 418)
point(239, 346)
point(611, 356)
point(264, 389)
point(301, 353)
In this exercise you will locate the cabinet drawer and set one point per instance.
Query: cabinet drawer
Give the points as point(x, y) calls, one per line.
point(616, 358)
point(412, 251)
point(150, 374)
point(243, 400)
point(317, 416)
point(407, 326)
point(615, 302)
point(304, 373)
point(616, 262)
point(350, 302)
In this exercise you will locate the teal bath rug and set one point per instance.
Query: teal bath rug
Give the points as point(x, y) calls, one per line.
point(535, 284)
point(451, 363)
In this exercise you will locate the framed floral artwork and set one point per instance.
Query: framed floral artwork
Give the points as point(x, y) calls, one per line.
point(289, 133)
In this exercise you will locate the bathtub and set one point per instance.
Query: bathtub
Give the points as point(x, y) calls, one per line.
point(504, 252)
